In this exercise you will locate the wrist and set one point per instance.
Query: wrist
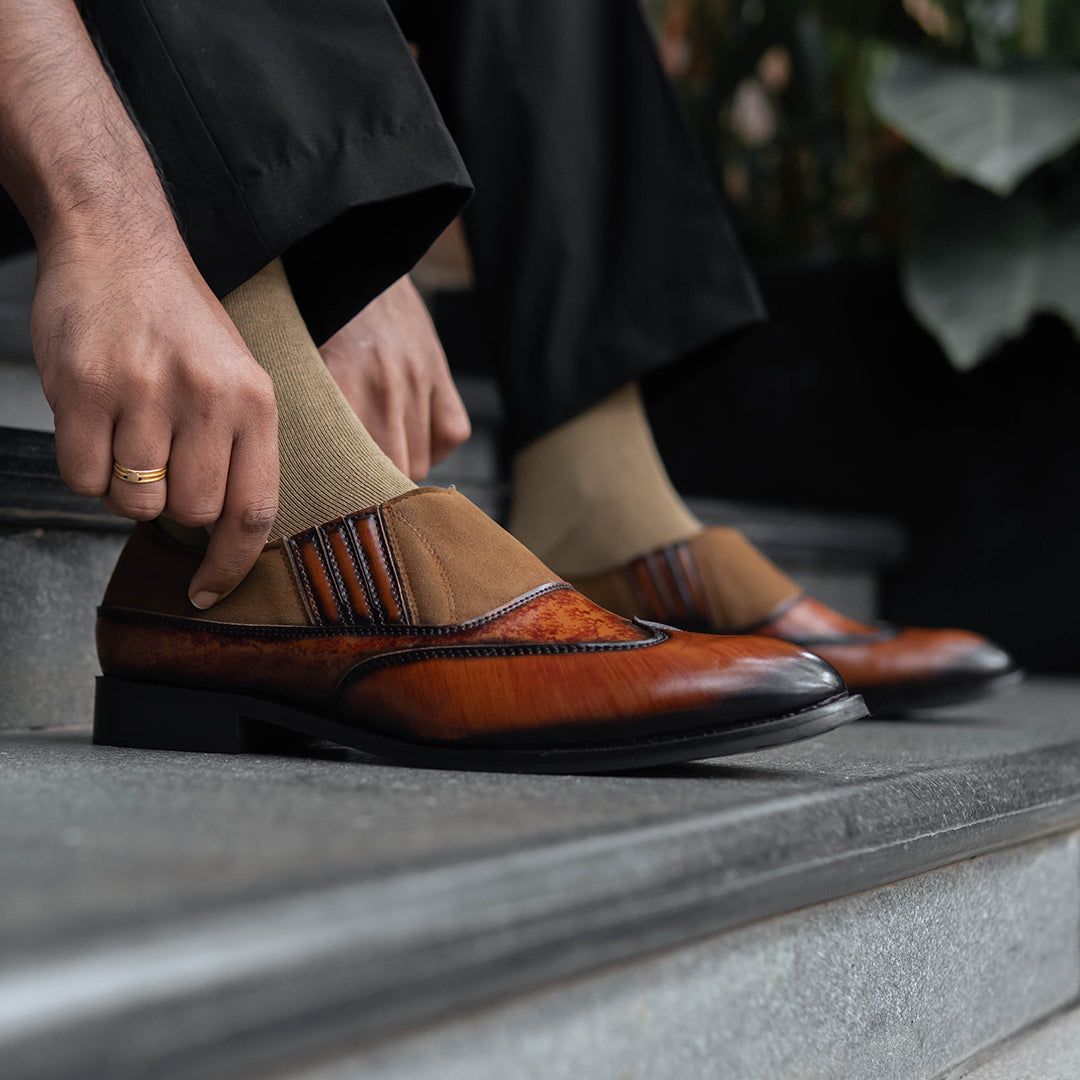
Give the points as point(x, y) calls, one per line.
point(105, 231)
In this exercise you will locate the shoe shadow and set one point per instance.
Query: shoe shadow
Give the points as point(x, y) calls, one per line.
point(709, 770)
point(320, 750)
point(930, 719)
point(279, 742)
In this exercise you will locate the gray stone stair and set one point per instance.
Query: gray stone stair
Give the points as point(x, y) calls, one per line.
point(16, 291)
point(895, 900)
point(1049, 1051)
point(892, 900)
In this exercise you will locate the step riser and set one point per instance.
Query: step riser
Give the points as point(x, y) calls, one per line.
point(1049, 1052)
point(898, 983)
point(51, 581)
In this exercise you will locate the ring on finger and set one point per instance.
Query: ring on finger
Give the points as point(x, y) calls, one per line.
point(138, 476)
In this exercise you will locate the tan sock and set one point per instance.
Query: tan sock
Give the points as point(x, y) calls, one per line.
point(593, 493)
point(330, 465)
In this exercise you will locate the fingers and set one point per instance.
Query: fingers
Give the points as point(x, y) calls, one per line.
point(198, 475)
point(417, 424)
point(141, 441)
point(250, 506)
point(84, 455)
point(390, 365)
point(386, 426)
point(392, 438)
point(450, 425)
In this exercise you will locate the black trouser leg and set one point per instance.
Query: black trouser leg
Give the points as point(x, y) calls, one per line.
point(600, 247)
point(288, 129)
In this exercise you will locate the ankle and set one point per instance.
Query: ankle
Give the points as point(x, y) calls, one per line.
point(593, 494)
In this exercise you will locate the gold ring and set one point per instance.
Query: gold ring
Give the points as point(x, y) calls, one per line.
point(139, 476)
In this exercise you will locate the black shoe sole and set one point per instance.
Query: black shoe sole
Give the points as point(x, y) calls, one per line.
point(153, 716)
point(885, 702)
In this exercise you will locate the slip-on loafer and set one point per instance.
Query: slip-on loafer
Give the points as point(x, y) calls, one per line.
point(420, 631)
point(894, 669)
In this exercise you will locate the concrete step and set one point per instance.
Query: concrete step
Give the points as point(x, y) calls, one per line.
point(22, 404)
point(895, 900)
point(1050, 1051)
point(16, 291)
point(887, 901)
point(892, 900)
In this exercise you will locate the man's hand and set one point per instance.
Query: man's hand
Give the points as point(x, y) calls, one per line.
point(140, 363)
point(138, 360)
point(391, 367)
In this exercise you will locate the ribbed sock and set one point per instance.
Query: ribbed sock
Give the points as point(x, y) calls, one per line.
point(594, 493)
point(330, 465)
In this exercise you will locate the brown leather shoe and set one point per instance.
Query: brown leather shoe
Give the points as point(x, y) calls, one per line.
point(420, 631)
point(719, 582)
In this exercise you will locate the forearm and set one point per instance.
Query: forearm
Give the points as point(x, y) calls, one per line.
point(70, 156)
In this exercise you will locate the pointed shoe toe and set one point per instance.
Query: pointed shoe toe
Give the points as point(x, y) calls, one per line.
point(898, 669)
point(698, 585)
point(419, 631)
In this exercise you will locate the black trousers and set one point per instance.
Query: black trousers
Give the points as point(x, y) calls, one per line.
point(286, 128)
point(600, 247)
point(306, 130)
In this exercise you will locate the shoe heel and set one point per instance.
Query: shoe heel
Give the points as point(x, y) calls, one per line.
point(150, 716)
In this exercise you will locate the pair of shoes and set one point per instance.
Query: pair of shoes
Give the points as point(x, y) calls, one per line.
point(894, 669)
point(423, 633)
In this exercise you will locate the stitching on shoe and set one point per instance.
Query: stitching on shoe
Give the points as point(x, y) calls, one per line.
point(346, 543)
point(150, 618)
point(290, 563)
point(302, 574)
point(374, 600)
point(467, 652)
point(438, 564)
point(390, 566)
point(392, 543)
point(350, 615)
point(325, 560)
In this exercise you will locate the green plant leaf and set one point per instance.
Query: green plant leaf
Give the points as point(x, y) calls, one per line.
point(1059, 291)
point(981, 267)
point(990, 127)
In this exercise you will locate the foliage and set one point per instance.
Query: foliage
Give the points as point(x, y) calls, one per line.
point(990, 127)
point(939, 130)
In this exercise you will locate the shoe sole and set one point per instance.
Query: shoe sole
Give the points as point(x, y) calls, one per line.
point(886, 702)
point(153, 716)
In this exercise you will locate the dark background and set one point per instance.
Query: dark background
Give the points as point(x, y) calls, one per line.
point(843, 402)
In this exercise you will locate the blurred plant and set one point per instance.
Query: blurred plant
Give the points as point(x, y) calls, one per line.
point(944, 131)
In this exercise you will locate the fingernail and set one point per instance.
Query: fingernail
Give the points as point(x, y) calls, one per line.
point(203, 600)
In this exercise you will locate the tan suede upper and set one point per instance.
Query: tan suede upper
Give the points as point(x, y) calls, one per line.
point(741, 584)
point(154, 571)
point(454, 564)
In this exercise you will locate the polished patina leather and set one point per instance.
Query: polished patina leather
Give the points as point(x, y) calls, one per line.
point(672, 586)
point(350, 617)
point(874, 656)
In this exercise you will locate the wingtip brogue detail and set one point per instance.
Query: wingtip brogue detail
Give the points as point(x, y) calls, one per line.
point(541, 680)
point(895, 669)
